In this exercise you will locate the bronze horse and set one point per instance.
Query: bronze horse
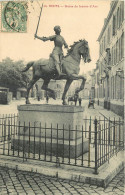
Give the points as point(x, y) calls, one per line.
point(45, 69)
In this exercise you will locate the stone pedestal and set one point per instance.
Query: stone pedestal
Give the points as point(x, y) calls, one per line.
point(51, 129)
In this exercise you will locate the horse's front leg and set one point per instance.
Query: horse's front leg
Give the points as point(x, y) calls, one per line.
point(77, 77)
point(67, 85)
point(45, 87)
point(82, 86)
point(30, 85)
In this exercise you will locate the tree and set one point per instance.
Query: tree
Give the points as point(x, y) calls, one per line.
point(11, 75)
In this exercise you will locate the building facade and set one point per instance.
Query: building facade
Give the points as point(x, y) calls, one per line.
point(109, 74)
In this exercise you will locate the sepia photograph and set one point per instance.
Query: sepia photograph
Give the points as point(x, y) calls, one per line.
point(62, 97)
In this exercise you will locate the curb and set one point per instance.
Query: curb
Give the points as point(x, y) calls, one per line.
point(106, 172)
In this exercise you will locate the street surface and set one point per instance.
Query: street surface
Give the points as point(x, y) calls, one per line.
point(98, 111)
point(12, 182)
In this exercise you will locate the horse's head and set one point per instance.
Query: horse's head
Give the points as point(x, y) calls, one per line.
point(80, 48)
point(83, 50)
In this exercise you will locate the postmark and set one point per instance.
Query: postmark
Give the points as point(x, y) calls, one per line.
point(14, 16)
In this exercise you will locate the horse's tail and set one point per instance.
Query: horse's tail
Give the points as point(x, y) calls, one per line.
point(28, 66)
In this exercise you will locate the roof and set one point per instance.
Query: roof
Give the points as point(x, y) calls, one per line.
point(112, 7)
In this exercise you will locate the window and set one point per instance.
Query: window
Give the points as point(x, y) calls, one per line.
point(113, 87)
point(122, 3)
point(122, 45)
point(119, 49)
point(120, 15)
point(113, 25)
point(112, 56)
point(97, 77)
point(118, 18)
point(117, 53)
point(100, 68)
point(120, 88)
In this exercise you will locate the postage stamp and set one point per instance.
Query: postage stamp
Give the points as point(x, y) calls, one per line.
point(14, 16)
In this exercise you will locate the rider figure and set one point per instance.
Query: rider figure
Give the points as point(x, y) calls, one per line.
point(57, 52)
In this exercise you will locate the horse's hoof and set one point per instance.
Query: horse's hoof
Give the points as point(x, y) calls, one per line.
point(54, 96)
point(64, 103)
point(27, 102)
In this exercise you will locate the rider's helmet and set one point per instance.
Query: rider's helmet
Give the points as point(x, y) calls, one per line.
point(56, 28)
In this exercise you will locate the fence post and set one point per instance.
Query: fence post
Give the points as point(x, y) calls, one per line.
point(29, 142)
point(90, 130)
point(96, 167)
point(89, 142)
point(9, 136)
point(114, 137)
point(119, 134)
point(51, 144)
point(69, 145)
point(57, 159)
point(104, 139)
point(34, 146)
point(109, 139)
point(24, 142)
point(63, 144)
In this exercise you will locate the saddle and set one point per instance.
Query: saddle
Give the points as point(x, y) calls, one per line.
point(48, 62)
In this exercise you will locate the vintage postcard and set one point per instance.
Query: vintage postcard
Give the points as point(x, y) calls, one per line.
point(61, 97)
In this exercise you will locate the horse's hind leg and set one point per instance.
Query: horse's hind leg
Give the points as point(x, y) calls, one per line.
point(31, 83)
point(67, 85)
point(45, 87)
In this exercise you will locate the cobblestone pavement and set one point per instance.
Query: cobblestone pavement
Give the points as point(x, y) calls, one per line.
point(22, 183)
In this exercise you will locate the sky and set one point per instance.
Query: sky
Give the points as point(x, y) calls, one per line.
point(78, 20)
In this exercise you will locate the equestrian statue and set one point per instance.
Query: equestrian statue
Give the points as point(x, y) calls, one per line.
point(59, 67)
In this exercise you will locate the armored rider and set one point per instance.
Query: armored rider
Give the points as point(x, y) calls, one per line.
point(57, 52)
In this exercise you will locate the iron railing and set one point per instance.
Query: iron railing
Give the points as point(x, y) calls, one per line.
point(5, 120)
point(89, 146)
point(109, 140)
